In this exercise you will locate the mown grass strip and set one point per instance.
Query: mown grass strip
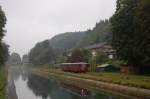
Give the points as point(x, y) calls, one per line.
point(116, 78)
point(131, 91)
point(2, 84)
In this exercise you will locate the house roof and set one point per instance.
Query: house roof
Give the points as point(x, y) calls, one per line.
point(76, 63)
point(103, 65)
point(95, 46)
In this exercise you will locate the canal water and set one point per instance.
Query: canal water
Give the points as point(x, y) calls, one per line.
point(29, 86)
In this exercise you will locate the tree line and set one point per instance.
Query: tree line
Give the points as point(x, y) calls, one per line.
point(128, 31)
point(131, 33)
point(59, 46)
point(3, 47)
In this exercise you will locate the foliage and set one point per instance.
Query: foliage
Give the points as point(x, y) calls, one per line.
point(14, 59)
point(2, 23)
point(51, 51)
point(4, 53)
point(101, 58)
point(143, 32)
point(100, 33)
point(2, 31)
point(79, 55)
point(131, 27)
point(25, 59)
point(63, 43)
point(123, 28)
point(2, 83)
point(67, 40)
point(61, 59)
point(42, 54)
point(117, 63)
point(93, 65)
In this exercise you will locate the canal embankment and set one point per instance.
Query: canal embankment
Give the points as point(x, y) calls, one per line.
point(11, 88)
point(3, 82)
point(98, 83)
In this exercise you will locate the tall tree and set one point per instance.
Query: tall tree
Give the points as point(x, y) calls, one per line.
point(14, 59)
point(42, 54)
point(2, 23)
point(123, 23)
point(143, 30)
point(130, 27)
point(80, 55)
point(2, 31)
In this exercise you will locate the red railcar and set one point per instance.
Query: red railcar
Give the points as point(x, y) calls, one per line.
point(75, 67)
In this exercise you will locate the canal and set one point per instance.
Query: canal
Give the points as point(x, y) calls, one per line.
point(29, 86)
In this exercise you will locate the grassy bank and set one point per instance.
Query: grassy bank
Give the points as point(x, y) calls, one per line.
point(116, 78)
point(138, 81)
point(2, 84)
point(132, 85)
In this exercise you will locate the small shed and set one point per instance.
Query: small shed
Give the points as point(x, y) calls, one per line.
point(106, 68)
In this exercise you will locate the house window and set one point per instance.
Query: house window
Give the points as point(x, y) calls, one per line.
point(111, 56)
point(94, 53)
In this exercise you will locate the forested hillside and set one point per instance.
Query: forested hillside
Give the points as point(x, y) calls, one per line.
point(100, 33)
point(42, 53)
point(66, 41)
point(47, 51)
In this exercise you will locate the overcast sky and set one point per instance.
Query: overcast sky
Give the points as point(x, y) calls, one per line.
point(31, 21)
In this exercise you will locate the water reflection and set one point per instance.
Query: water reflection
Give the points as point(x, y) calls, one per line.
point(29, 86)
point(75, 90)
point(40, 86)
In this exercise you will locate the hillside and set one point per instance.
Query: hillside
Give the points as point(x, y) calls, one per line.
point(100, 33)
point(66, 40)
point(42, 53)
point(47, 51)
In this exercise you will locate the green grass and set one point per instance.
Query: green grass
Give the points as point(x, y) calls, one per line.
point(2, 84)
point(124, 79)
point(116, 78)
